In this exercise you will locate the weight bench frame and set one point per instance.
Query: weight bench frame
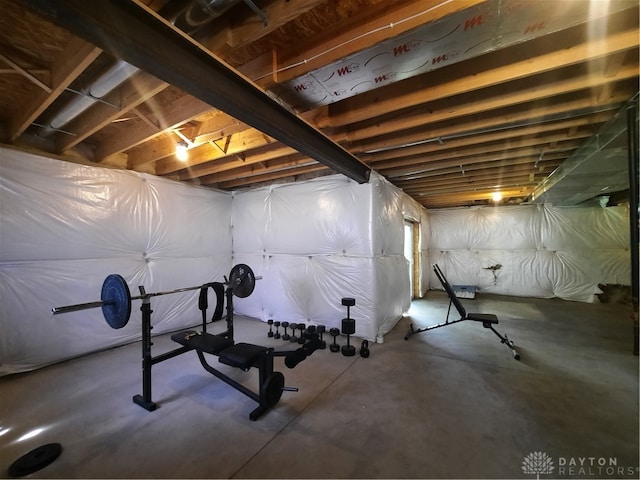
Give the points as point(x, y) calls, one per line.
point(270, 383)
point(488, 320)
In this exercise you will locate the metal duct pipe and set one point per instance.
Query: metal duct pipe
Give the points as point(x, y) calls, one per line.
point(196, 15)
point(109, 80)
point(137, 35)
point(201, 12)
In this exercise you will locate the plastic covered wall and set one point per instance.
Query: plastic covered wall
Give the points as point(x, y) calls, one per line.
point(65, 227)
point(533, 251)
point(316, 242)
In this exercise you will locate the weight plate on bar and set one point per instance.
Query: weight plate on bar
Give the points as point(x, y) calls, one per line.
point(117, 301)
point(242, 280)
point(272, 388)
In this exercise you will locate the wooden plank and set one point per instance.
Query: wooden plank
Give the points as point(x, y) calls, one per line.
point(442, 83)
point(247, 30)
point(28, 75)
point(452, 107)
point(478, 138)
point(474, 168)
point(364, 31)
point(230, 147)
point(141, 38)
point(278, 151)
point(71, 61)
point(173, 115)
point(450, 159)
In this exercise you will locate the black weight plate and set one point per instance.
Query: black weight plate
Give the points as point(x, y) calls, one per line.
point(273, 386)
point(117, 301)
point(242, 280)
point(35, 460)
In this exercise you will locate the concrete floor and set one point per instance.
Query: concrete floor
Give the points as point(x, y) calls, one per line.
point(449, 403)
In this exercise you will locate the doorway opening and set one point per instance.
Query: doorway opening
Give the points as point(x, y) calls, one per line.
point(412, 254)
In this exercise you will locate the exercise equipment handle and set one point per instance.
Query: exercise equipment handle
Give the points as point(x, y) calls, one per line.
point(79, 306)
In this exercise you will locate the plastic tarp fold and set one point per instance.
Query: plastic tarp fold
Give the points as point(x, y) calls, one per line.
point(533, 250)
point(65, 227)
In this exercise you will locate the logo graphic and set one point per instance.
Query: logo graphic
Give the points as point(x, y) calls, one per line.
point(536, 463)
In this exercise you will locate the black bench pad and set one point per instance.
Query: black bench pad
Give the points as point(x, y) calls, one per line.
point(242, 355)
point(205, 342)
point(482, 317)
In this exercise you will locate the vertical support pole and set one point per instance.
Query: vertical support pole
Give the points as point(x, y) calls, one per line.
point(632, 144)
point(229, 294)
point(144, 400)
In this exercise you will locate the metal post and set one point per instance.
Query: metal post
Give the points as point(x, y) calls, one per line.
point(144, 400)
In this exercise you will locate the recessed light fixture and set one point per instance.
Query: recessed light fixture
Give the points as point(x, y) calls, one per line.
point(181, 151)
point(496, 196)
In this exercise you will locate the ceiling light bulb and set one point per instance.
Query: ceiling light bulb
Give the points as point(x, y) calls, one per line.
point(496, 196)
point(181, 151)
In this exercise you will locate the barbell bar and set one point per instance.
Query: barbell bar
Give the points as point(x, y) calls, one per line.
point(115, 297)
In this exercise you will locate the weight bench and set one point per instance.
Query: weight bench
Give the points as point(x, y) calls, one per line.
point(488, 320)
point(239, 355)
point(243, 356)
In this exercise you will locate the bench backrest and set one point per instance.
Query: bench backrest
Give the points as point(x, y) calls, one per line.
point(455, 300)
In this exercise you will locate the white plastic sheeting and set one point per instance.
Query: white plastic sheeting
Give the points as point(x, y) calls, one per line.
point(65, 227)
point(543, 251)
point(319, 241)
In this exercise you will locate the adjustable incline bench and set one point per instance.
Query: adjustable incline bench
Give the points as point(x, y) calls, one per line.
point(488, 320)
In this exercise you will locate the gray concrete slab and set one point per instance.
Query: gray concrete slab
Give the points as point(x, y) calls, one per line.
point(448, 403)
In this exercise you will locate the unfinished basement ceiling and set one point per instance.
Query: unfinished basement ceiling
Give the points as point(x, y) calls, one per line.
point(451, 101)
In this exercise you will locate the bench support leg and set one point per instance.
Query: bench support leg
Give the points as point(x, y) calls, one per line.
point(504, 339)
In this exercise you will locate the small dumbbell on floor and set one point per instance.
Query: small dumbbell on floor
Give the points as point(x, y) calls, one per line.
point(270, 332)
point(277, 334)
point(293, 338)
point(285, 335)
point(321, 329)
point(334, 347)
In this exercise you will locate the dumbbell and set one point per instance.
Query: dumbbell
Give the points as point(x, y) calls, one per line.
point(334, 347)
point(277, 334)
point(322, 329)
point(311, 334)
point(285, 336)
point(270, 333)
point(348, 328)
point(301, 327)
point(293, 338)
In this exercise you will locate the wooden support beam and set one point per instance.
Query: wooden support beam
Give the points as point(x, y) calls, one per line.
point(447, 81)
point(70, 63)
point(140, 37)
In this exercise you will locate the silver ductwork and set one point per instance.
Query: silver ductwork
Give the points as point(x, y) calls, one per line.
point(86, 97)
point(198, 13)
point(598, 168)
